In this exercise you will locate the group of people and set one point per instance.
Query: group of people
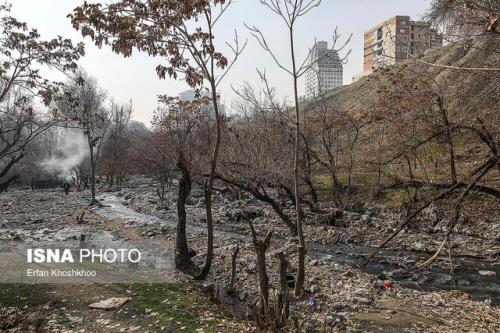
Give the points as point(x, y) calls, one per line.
point(52, 183)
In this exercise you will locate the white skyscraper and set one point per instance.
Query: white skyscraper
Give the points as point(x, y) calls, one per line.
point(325, 72)
point(190, 95)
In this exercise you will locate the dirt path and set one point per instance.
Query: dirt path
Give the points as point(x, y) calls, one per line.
point(179, 306)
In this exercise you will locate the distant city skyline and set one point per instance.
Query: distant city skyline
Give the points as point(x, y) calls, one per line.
point(135, 77)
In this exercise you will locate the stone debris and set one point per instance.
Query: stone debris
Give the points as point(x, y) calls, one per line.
point(336, 293)
point(487, 273)
point(110, 303)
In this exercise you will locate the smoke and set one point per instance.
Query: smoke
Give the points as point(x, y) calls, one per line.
point(72, 148)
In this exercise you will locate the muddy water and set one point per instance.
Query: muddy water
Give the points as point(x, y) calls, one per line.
point(387, 265)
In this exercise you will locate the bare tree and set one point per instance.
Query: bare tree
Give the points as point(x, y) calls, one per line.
point(290, 11)
point(114, 155)
point(256, 158)
point(83, 107)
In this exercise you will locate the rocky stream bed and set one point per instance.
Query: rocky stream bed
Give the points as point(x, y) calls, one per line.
point(339, 295)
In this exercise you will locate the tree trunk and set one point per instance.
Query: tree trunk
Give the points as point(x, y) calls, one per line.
point(299, 282)
point(234, 256)
point(283, 304)
point(291, 226)
point(260, 247)
point(182, 260)
point(209, 188)
point(5, 185)
point(449, 140)
point(93, 199)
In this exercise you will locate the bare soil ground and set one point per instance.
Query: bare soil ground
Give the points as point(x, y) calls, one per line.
point(338, 297)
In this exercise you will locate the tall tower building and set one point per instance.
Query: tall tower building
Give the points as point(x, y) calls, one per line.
point(397, 39)
point(325, 70)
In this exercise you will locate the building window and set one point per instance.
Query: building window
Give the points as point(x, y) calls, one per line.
point(403, 31)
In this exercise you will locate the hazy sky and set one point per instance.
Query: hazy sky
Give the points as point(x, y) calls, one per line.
point(135, 77)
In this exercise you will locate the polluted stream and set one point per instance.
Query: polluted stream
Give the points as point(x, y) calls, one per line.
point(465, 277)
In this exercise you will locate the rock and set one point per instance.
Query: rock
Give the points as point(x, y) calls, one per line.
point(441, 278)
point(313, 280)
point(439, 300)
point(379, 284)
point(314, 262)
point(366, 218)
point(191, 202)
point(371, 214)
point(314, 289)
point(487, 273)
point(363, 300)
point(36, 319)
point(399, 273)
point(16, 237)
point(333, 218)
point(208, 287)
point(191, 253)
point(487, 302)
point(243, 296)
point(343, 238)
point(356, 207)
point(252, 266)
point(110, 303)
point(244, 214)
point(418, 246)
point(433, 213)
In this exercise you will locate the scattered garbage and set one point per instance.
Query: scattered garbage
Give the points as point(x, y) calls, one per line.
point(388, 284)
point(487, 273)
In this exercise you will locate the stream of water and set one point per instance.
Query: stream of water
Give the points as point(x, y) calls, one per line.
point(466, 275)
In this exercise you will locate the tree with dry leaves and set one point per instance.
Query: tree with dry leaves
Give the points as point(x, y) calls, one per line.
point(466, 18)
point(185, 126)
point(23, 55)
point(183, 33)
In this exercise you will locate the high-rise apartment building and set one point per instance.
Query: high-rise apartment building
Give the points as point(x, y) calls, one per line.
point(190, 95)
point(325, 70)
point(397, 39)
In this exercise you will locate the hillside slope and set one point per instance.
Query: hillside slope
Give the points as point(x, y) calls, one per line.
point(482, 52)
